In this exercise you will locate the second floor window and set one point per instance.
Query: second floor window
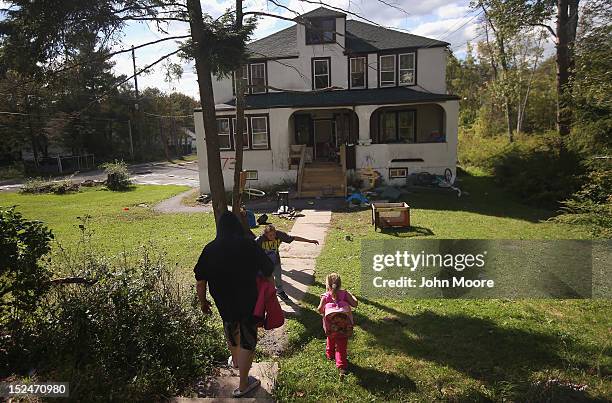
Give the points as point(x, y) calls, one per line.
point(358, 72)
point(320, 30)
point(258, 78)
point(386, 66)
point(320, 74)
point(406, 69)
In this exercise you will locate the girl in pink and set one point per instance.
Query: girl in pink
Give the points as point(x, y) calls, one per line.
point(335, 306)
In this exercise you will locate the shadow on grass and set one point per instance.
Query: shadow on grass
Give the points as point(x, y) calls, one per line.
point(407, 232)
point(381, 383)
point(485, 197)
point(477, 347)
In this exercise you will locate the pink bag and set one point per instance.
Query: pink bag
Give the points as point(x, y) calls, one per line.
point(338, 319)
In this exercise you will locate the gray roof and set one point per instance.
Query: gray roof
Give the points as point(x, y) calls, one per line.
point(374, 96)
point(322, 12)
point(361, 37)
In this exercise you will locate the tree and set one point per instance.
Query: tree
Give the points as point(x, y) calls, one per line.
point(45, 33)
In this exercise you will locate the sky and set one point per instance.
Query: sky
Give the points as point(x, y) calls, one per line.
point(448, 20)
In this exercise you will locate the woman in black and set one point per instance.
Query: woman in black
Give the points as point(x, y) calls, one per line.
point(229, 265)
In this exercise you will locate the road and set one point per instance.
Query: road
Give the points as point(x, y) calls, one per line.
point(153, 173)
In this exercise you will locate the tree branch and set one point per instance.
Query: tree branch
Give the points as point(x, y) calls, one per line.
point(548, 28)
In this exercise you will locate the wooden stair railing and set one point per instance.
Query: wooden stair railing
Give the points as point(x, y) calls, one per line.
point(343, 163)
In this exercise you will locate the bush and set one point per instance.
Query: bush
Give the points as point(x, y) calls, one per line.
point(118, 176)
point(533, 168)
point(38, 186)
point(592, 204)
point(23, 278)
point(133, 335)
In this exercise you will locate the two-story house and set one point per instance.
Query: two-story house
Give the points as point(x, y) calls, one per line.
point(330, 97)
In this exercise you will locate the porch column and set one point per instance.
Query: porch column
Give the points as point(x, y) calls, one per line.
point(451, 124)
point(364, 112)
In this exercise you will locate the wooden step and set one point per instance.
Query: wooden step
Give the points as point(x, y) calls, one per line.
point(319, 193)
point(318, 186)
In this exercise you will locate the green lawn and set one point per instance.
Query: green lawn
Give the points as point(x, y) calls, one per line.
point(182, 236)
point(457, 350)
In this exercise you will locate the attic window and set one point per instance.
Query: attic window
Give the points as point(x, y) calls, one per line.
point(320, 30)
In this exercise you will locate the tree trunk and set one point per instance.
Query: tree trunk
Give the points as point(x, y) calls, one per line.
point(215, 174)
point(240, 129)
point(567, 21)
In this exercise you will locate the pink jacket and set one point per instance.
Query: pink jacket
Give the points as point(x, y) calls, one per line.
point(267, 310)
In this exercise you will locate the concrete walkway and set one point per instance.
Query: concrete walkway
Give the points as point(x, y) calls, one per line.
point(298, 260)
point(175, 204)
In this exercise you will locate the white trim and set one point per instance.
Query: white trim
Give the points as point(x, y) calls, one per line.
point(380, 71)
point(413, 69)
point(365, 72)
point(255, 146)
point(315, 75)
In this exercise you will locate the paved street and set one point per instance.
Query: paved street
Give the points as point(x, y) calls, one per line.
point(154, 173)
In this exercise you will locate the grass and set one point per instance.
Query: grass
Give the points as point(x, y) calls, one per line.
point(452, 350)
point(116, 229)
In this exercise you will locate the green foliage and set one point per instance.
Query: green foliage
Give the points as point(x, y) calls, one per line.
point(592, 204)
point(39, 186)
point(133, 335)
point(532, 168)
point(23, 279)
point(118, 176)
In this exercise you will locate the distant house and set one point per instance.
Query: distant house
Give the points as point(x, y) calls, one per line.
point(331, 96)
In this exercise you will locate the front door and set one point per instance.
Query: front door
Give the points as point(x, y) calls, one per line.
point(324, 142)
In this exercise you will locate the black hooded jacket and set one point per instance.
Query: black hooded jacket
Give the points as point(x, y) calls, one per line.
point(230, 264)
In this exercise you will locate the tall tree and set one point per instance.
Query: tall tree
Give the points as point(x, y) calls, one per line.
point(565, 32)
point(240, 126)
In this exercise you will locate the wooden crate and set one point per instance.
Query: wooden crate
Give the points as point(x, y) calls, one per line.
point(386, 215)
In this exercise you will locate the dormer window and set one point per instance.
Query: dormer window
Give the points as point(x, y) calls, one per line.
point(320, 30)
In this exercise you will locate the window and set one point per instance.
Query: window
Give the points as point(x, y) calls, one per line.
point(358, 72)
point(395, 173)
point(245, 133)
point(258, 78)
point(223, 128)
point(320, 30)
point(259, 132)
point(405, 126)
point(397, 127)
point(245, 79)
point(320, 73)
point(406, 69)
point(387, 70)
point(251, 175)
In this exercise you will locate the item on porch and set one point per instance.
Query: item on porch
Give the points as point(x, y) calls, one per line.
point(370, 177)
point(385, 215)
point(251, 219)
point(203, 198)
point(282, 201)
point(389, 192)
point(263, 219)
point(357, 198)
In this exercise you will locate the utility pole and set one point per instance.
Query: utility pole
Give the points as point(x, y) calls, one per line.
point(136, 109)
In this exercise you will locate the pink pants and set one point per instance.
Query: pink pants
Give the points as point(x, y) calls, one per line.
point(337, 346)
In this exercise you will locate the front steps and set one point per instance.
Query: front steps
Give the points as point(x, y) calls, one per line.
point(323, 179)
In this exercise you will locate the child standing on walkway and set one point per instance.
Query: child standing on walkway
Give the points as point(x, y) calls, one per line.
point(270, 241)
point(335, 306)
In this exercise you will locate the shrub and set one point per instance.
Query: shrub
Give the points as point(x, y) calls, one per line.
point(23, 279)
point(118, 176)
point(592, 204)
point(38, 186)
point(133, 335)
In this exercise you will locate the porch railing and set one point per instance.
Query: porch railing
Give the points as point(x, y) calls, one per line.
point(300, 172)
point(343, 163)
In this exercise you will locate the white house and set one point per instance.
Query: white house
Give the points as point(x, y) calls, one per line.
point(331, 96)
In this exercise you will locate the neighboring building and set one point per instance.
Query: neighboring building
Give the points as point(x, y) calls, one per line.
point(332, 95)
